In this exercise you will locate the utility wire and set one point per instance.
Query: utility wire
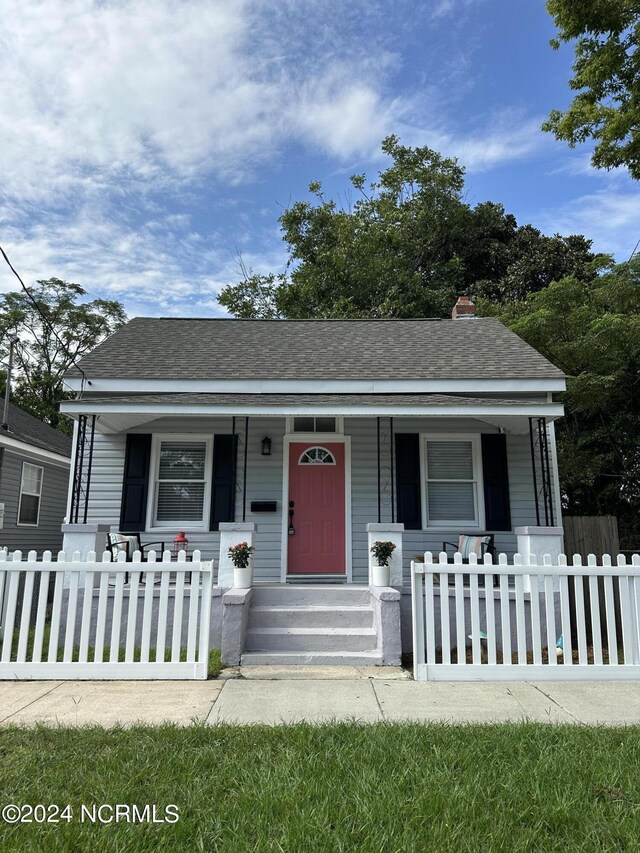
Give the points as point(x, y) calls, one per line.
point(45, 320)
point(635, 249)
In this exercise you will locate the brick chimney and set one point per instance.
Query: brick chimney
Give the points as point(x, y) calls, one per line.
point(463, 309)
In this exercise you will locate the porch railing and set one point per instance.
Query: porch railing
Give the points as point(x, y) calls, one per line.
point(539, 620)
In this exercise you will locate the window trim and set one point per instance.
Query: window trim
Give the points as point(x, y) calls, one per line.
point(39, 496)
point(154, 469)
point(476, 452)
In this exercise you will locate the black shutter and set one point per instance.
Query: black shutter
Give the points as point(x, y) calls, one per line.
point(135, 485)
point(495, 474)
point(223, 489)
point(408, 480)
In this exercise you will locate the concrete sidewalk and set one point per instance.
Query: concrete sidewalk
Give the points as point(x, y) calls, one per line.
point(320, 695)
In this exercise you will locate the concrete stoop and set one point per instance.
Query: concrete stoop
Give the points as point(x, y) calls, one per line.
point(317, 625)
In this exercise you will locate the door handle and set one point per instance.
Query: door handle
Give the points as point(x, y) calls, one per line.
point(291, 530)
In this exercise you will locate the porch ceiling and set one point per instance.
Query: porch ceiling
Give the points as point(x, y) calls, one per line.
point(118, 413)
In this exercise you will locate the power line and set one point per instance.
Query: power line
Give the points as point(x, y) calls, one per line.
point(635, 249)
point(45, 320)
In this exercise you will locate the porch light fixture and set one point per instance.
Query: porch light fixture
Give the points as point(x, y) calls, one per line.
point(266, 446)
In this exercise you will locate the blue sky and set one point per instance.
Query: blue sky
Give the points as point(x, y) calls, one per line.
point(144, 144)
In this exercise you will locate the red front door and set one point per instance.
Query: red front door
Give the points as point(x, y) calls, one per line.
point(316, 496)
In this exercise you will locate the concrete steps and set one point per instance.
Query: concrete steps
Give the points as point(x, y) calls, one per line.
point(281, 595)
point(311, 624)
point(310, 616)
point(312, 658)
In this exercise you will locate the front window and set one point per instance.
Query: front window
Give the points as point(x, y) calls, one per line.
point(30, 494)
point(182, 481)
point(452, 481)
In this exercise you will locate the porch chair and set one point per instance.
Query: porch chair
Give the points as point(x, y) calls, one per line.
point(128, 543)
point(472, 544)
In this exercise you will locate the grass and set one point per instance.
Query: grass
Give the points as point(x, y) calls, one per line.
point(213, 670)
point(343, 787)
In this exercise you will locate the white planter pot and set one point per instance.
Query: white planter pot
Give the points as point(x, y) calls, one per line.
point(243, 578)
point(381, 575)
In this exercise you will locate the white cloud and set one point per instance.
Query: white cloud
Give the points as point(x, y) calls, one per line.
point(110, 110)
point(159, 267)
point(610, 217)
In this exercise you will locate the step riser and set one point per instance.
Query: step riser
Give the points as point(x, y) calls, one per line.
point(310, 659)
point(286, 595)
point(260, 642)
point(307, 618)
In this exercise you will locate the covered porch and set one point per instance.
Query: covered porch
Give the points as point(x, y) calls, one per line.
point(306, 475)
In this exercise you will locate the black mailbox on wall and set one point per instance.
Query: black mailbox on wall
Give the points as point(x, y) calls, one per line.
point(264, 506)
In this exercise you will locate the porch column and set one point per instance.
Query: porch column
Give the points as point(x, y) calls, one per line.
point(232, 532)
point(387, 532)
point(540, 541)
point(83, 538)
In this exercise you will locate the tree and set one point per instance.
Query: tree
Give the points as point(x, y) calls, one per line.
point(606, 78)
point(52, 338)
point(406, 247)
point(591, 330)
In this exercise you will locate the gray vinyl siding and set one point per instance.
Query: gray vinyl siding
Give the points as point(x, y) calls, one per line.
point(264, 482)
point(46, 535)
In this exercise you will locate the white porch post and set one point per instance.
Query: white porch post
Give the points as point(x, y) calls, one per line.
point(83, 538)
point(387, 532)
point(539, 541)
point(231, 533)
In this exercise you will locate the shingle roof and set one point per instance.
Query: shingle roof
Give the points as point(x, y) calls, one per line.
point(169, 348)
point(302, 401)
point(24, 427)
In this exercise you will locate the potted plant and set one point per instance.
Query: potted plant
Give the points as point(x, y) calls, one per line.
point(380, 571)
point(242, 559)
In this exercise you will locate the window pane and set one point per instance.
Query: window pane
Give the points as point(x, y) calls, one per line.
point(451, 502)
point(180, 501)
point(31, 479)
point(29, 509)
point(182, 460)
point(449, 460)
point(325, 424)
point(303, 424)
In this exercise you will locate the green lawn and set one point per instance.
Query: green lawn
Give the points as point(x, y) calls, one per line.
point(331, 788)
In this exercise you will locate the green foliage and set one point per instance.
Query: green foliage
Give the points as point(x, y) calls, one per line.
point(319, 788)
point(42, 358)
point(606, 78)
point(383, 551)
point(406, 247)
point(591, 330)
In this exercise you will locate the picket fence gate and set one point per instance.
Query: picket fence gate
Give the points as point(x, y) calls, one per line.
point(106, 620)
point(540, 620)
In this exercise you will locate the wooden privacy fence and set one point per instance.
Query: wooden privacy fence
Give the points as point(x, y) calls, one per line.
point(516, 621)
point(591, 534)
point(107, 620)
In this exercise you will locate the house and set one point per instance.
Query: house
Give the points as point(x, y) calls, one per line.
point(313, 438)
point(34, 476)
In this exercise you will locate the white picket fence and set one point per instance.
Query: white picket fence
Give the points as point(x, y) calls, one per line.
point(155, 625)
point(522, 627)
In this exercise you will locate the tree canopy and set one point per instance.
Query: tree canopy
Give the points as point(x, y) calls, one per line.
point(591, 330)
point(606, 78)
point(406, 247)
point(43, 356)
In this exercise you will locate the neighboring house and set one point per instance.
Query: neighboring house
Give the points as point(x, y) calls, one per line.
point(34, 478)
point(313, 429)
